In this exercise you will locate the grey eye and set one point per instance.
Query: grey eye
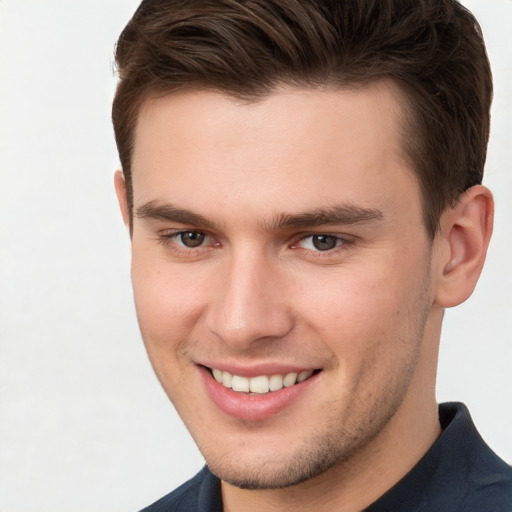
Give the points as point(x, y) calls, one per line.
point(324, 242)
point(191, 238)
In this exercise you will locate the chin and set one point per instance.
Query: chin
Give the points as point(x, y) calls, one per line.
point(283, 471)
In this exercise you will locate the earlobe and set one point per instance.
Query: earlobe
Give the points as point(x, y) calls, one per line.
point(465, 232)
point(120, 186)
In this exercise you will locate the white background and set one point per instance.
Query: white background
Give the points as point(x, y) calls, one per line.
point(84, 425)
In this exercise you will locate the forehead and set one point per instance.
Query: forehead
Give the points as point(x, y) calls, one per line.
point(289, 150)
point(201, 110)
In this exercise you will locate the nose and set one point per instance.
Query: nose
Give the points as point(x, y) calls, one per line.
point(250, 304)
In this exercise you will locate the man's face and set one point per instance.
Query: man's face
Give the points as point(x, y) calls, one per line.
point(275, 242)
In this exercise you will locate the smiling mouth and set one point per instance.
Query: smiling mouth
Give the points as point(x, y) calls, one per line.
point(260, 384)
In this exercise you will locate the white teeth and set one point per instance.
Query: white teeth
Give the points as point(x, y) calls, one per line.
point(290, 380)
point(217, 374)
point(240, 384)
point(227, 379)
point(261, 384)
point(276, 382)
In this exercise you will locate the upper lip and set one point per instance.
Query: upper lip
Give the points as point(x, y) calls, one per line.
point(258, 369)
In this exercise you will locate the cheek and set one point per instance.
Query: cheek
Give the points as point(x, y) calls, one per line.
point(168, 304)
point(374, 327)
point(360, 312)
point(167, 299)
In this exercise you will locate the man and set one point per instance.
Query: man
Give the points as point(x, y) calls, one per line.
point(302, 184)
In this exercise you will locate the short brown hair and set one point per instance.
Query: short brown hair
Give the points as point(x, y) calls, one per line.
point(432, 48)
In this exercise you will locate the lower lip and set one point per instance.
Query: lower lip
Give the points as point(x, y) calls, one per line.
point(252, 407)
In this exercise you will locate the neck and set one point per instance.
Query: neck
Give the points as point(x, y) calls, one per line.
point(347, 487)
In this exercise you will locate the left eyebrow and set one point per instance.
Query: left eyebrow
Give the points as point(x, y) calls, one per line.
point(335, 215)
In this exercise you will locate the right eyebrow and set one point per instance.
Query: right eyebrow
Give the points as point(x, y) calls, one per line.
point(154, 210)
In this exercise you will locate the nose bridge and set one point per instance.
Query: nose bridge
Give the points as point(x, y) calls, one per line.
point(249, 306)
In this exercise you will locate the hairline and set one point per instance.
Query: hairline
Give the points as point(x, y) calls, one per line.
point(408, 122)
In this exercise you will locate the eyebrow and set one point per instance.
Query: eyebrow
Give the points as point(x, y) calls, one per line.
point(346, 214)
point(168, 212)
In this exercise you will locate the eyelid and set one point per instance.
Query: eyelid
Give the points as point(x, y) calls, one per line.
point(169, 238)
point(342, 241)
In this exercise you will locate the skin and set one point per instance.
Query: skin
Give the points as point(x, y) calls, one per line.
point(256, 293)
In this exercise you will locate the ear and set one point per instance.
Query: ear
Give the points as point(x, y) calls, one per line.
point(465, 232)
point(120, 186)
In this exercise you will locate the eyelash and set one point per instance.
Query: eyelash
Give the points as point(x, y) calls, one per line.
point(340, 242)
point(170, 241)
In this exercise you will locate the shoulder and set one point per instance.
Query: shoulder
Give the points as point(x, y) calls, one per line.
point(200, 493)
point(489, 477)
point(459, 473)
point(480, 480)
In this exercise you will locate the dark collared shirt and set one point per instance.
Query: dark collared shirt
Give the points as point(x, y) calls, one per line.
point(459, 473)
